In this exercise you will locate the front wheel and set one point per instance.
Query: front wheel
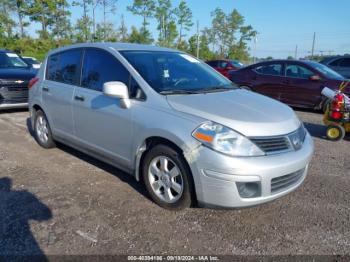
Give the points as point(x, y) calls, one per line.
point(167, 178)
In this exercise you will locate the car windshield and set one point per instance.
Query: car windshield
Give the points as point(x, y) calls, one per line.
point(237, 63)
point(172, 72)
point(325, 70)
point(11, 60)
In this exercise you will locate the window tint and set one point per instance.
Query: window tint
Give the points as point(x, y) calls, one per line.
point(213, 63)
point(335, 62)
point(69, 68)
point(298, 72)
point(223, 64)
point(271, 69)
point(100, 67)
point(65, 67)
point(52, 67)
point(345, 62)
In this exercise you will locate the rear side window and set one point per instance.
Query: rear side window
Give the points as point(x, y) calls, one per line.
point(100, 67)
point(53, 67)
point(65, 67)
point(335, 62)
point(271, 69)
point(298, 72)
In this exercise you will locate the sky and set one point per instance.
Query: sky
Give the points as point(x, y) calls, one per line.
point(282, 24)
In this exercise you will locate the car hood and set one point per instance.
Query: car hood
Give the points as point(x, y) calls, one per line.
point(249, 113)
point(17, 73)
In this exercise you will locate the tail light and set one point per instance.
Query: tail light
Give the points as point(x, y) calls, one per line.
point(337, 105)
point(32, 82)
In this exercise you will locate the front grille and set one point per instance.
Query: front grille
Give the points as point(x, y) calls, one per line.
point(282, 182)
point(272, 144)
point(14, 94)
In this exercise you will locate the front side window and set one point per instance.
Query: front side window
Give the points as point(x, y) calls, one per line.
point(326, 71)
point(172, 72)
point(100, 67)
point(270, 69)
point(223, 64)
point(297, 71)
point(11, 60)
point(335, 62)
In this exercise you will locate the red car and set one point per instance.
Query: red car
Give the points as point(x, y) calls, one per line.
point(296, 83)
point(224, 66)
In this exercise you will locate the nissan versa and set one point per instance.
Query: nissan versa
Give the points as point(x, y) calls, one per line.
point(172, 121)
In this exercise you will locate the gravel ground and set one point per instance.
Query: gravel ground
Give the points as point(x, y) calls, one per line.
point(63, 202)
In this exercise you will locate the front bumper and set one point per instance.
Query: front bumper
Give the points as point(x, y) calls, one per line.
point(14, 105)
point(215, 175)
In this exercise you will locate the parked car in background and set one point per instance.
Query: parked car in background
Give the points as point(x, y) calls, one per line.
point(172, 121)
point(32, 61)
point(296, 83)
point(15, 74)
point(340, 64)
point(225, 65)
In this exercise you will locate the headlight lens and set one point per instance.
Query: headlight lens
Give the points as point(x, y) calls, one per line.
point(225, 140)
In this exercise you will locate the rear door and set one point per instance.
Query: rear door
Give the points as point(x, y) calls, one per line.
point(267, 79)
point(63, 72)
point(298, 89)
point(101, 124)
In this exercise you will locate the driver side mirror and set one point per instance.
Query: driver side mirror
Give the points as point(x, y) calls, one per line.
point(119, 90)
point(315, 78)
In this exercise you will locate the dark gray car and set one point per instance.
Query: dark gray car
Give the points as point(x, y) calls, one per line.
point(340, 64)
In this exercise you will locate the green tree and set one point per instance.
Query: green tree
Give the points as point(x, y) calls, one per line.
point(166, 24)
point(122, 31)
point(20, 7)
point(61, 28)
point(144, 8)
point(6, 22)
point(84, 23)
point(42, 11)
point(184, 18)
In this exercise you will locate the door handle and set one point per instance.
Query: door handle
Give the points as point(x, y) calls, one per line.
point(79, 98)
point(46, 89)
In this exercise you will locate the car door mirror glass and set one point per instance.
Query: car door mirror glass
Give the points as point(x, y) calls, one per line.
point(118, 90)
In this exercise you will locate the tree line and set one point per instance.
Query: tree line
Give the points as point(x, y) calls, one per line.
point(227, 37)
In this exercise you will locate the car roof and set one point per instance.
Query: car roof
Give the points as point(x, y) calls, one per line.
point(116, 46)
point(283, 61)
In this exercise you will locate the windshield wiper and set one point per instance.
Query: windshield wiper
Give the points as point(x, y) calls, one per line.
point(177, 91)
point(216, 89)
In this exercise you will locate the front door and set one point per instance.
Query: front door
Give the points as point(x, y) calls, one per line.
point(101, 124)
point(298, 89)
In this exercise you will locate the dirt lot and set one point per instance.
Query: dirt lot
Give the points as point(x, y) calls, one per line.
point(63, 202)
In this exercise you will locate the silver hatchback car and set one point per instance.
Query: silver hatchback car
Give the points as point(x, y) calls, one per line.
point(189, 134)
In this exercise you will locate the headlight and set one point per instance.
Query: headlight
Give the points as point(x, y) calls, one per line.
point(225, 140)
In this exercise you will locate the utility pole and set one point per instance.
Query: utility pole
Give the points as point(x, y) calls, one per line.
point(254, 55)
point(313, 46)
point(197, 39)
point(296, 52)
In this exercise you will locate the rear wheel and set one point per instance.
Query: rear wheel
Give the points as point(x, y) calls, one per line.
point(335, 133)
point(324, 105)
point(167, 178)
point(42, 130)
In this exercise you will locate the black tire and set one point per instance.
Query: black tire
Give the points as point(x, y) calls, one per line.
point(335, 132)
point(48, 142)
point(187, 196)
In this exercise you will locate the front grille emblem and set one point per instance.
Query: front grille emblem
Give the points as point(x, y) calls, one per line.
point(19, 81)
